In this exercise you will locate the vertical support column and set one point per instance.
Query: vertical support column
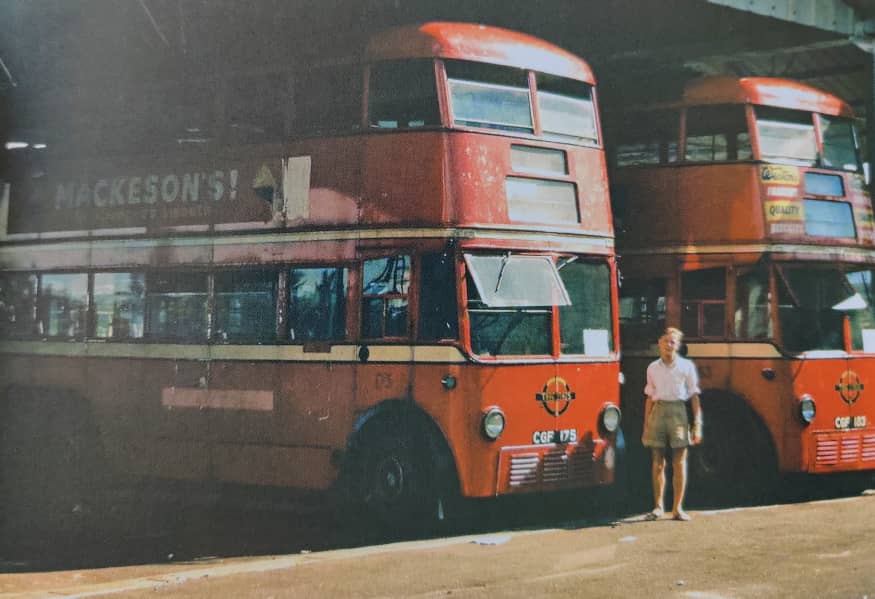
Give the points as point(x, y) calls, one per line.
point(870, 121)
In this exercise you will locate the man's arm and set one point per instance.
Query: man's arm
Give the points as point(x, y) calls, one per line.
point(696, 430)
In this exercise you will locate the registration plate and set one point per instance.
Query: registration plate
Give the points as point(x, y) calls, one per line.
point(845, 422)
point(565, 435)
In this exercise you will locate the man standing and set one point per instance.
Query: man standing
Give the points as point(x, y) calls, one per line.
point(672, 381)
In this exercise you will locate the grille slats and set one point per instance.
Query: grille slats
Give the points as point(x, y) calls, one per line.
point(844, 450)
point(553, 468)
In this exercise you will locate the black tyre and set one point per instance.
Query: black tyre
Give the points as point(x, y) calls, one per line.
point(396, 483)
point(736, 462)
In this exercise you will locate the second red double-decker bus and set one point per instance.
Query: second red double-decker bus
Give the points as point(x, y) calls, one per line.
point(744, 219)
point(401, 284)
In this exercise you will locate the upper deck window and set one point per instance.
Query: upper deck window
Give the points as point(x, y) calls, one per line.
point(491, 96)
point(245, 306)
point(839, 143)
point(717, 133)
point(403, 94)
point(566, 108)
point(647, 138)
point(786, 135)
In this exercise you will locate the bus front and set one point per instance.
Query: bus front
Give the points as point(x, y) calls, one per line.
point(524, 200)
point(755, 236)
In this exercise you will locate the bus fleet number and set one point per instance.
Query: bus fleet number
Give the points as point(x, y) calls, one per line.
point(850, 422)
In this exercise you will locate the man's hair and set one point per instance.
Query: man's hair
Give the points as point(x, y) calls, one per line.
point(674, 331)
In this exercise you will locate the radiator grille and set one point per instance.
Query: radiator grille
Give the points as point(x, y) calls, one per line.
point(534, 469)
point(845, 450)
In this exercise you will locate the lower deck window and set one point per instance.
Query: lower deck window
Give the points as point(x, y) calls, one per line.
point(64, 305)
point(245, 306)
point(176, 306)
point(18, 293)
point(119, 305)
point(384, 297)
point(317, 304)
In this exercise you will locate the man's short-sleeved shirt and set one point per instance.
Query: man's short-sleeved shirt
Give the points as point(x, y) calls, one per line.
point(677, 382)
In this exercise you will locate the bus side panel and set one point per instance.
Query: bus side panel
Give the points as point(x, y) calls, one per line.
point(395, 165)
point(278, 422)
point(335, 181)
point(151, 422)
point(706, 214)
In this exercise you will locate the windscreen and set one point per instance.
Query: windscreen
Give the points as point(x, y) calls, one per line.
point(786, 135)
point(839, 143)
point(512, 301)
point(812, 304)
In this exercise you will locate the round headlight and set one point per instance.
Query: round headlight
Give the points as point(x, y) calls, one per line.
point(493, 423)
point(610, 418)
point(807, 408)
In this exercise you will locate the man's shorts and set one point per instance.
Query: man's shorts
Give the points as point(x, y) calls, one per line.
point(667, 425)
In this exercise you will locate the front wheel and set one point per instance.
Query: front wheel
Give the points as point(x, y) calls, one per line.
point(397, 486)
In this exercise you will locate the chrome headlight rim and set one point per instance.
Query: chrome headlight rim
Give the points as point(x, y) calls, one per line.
point(807, 409)
point(493, 423)
point(610, 418)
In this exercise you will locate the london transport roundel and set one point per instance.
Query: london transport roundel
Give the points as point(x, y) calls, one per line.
point(556, 396)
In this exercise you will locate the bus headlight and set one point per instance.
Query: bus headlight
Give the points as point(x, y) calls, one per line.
point(610, 418)
point(493, 423)
point(807, 408)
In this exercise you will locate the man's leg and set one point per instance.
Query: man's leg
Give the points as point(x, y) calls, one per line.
point(657, 475)
point(679, 482)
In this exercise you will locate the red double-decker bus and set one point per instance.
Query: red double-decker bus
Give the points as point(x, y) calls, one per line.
point(744, 219)
point(396, 278)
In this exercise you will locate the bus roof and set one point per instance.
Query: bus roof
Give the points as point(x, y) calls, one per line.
point(481, 43)
point(766, 91)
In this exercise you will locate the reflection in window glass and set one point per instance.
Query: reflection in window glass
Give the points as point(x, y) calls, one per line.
point(511, 331)
point(839, 143)
point(18, 305)
point(786, 135)
point(824, 218)
point(384, 297)
point(245, 306)
point(566, 108)
point(541, 201)
point(751, 319)
point(317, 304)
point(516, 280)
point(647, 137)
point(63, 305)
point(811, 304)
point(119, 305)
point(489, 96)
point(717, 133)
point(642, 311)
point(861, 310)
point(585, 324)
point(176, 305)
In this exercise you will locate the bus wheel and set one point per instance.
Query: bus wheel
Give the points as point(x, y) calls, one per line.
point(735, 464)
point(395, 482)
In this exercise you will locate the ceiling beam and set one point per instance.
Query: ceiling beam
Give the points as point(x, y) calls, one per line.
point(830, 15)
